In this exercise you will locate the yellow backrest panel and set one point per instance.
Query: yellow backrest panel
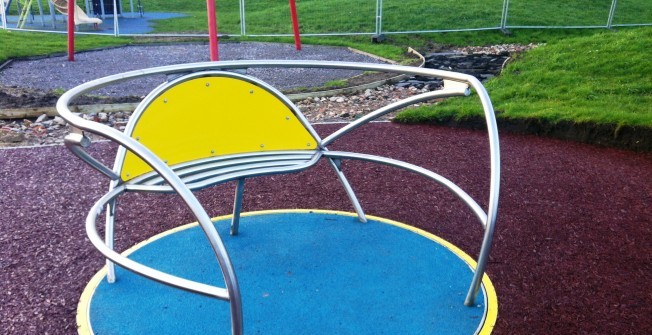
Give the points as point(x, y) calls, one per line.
point(214, 116)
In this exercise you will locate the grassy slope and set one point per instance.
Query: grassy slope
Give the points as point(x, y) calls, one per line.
point(603, 78)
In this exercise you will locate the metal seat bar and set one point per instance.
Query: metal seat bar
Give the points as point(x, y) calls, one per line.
point(208, 168)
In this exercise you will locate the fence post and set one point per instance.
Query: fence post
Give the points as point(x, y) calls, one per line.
point(378, 36)
point(503, 19)
point(612, 12)
point(243, 25)
point(4, 18)
point(116, 25)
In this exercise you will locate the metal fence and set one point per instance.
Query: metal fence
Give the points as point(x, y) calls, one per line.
point(322, 17)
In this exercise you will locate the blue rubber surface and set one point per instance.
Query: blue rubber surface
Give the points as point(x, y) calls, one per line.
point(299, 273)
point(128, 23)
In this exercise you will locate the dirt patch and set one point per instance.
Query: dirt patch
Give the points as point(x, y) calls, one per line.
point(22, 97)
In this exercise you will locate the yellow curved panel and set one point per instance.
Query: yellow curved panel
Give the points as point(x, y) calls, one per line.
point(214, 116)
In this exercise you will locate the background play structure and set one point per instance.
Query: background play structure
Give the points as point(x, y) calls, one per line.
point(331, 17)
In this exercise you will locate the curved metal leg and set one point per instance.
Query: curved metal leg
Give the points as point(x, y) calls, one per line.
point(336, 164)
point(237, 206)
point(108, 238)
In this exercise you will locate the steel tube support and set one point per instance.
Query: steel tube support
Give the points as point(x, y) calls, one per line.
point(494, 187)
point(237, 207)
point(109, 238)
point(336, 164)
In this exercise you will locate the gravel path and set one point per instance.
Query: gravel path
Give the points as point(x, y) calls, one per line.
point(56, 73)
point(571, 250)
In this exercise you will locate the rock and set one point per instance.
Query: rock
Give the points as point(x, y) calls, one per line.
point(340, 100)
point(103, 117)
point(59, 120)
point(42, 118)
point(11, 136)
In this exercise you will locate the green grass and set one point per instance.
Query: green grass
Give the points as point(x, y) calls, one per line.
point(603, 79)
point(17, 44)
point(335, 84)
point(581, 75)
point(329, 16)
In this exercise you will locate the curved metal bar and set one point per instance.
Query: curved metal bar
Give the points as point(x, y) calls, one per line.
point(226, 65)
point(494, 190)
point(227, 177)
point(391, 108)
point(159, 276)
point(477, 210)
point(192, 167)
point(177, 185)
point(76, 143)
point(109, 229)
point(349, 190)
point(487, 220)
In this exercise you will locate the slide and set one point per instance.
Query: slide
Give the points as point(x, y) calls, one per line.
point(80, 15)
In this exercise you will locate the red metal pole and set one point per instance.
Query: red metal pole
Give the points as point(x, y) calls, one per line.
point(295, 24)
point(71, 30)
point(212, 30)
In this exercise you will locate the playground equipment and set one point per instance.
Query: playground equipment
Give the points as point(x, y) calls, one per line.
point(80, 15)
point(4, 11)
point(208, 125)
point(25, 12)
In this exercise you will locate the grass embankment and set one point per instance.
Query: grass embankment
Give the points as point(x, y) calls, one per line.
point(345, 16)
point(600, 79)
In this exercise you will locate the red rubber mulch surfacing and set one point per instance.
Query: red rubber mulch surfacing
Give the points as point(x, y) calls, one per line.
point(572, 251)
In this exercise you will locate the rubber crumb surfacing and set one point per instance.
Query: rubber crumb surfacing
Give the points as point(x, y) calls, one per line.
point(571, 250)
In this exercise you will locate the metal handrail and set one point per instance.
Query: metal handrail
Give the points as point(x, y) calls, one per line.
point(96, 240)
point(461, 194)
